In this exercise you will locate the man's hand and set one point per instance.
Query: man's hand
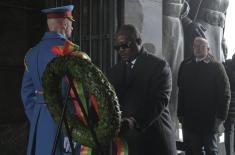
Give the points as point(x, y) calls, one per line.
point(181, 119)
point(197, 29)
point(193, 28)
point(128, 124)
point(67, 147)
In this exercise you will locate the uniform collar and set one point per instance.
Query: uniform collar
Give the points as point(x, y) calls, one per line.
point(53, 35)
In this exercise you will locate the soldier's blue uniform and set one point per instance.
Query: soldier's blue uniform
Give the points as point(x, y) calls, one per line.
point(42, 126)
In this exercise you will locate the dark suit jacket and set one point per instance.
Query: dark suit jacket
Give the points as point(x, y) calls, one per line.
point(230, 70)
point(204, 95)
point(145, 97)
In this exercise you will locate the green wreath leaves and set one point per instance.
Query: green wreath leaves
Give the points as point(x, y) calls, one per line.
point(94, 81)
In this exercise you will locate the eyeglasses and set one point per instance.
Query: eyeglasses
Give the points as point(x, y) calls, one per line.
point(123, 46)
point(200, 46)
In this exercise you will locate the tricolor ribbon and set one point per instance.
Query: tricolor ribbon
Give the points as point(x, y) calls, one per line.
point(121, 144)
point(84, 150)
point(122, 147)
point(78, 110)
point(70, 48)
point(66, 49)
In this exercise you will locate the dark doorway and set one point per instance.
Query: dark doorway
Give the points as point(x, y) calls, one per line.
point(20, 29)
point(22, 26)
point(97, 22)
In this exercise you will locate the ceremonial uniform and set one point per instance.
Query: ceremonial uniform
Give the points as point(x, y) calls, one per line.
point(42, 126)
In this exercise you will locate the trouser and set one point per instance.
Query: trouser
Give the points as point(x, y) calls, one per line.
point(229, 137)
point(201, 144)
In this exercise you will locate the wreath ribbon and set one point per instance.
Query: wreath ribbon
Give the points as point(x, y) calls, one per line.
point(91, 94)
point(122, 147)
point(86, 106)
point(84, 150)
point(78, 110)
point(66, 49)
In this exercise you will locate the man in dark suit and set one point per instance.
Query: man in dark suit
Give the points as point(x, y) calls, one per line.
point(143, 85)
point(229, 124)
point(203, 100)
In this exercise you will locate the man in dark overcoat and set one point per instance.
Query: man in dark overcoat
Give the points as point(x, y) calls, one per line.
point(143, 85)
point(229, 124)
point(204, 96)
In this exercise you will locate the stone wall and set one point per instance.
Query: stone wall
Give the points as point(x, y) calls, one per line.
point(146, 15)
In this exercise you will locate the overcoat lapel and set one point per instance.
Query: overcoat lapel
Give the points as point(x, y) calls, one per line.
point(136, 71)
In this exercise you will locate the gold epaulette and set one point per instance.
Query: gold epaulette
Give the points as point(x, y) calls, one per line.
point(25, 64)
point(82, 55)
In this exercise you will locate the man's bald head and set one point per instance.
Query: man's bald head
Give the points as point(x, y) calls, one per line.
point(61, 25)
point(200, 47)
point(201, 40)
point(54, 24)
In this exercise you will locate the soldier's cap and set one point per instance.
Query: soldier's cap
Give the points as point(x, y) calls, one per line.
point(59, 12)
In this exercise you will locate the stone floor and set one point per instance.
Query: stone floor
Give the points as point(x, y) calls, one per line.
point(13, 139)
point(221, 150)
point(221, 144)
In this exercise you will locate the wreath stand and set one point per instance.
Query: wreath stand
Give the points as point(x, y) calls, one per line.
point(63, 119)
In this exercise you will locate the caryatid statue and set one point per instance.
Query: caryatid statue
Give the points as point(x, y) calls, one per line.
point(175, 22)
point(211, 15)
point(173, 44)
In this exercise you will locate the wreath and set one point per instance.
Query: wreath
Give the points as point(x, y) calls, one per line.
point(82, 71)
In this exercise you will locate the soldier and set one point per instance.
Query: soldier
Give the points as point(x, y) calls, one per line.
point(42, 126)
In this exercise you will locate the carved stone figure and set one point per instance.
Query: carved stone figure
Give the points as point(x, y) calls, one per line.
point(173, 44)
point(211, 15)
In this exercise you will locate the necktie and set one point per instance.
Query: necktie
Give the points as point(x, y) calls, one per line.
point(128, 71)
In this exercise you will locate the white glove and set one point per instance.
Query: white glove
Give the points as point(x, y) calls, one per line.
point(67, 145)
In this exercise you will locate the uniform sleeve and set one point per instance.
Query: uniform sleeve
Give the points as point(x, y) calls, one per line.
point(223, 93)
point(28, 94)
